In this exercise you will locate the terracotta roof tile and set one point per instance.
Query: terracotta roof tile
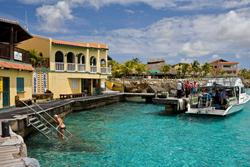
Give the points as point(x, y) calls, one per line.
point(16, 66)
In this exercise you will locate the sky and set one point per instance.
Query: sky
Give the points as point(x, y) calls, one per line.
point(173, 30)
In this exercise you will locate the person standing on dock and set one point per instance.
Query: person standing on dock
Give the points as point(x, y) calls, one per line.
point(61, 126)
point(187, 87)
point(179, 89)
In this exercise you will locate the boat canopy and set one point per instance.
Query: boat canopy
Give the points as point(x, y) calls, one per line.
point(225, 82)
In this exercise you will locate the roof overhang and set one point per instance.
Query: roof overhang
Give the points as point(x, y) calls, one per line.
point(20, 34)
point(16, 66)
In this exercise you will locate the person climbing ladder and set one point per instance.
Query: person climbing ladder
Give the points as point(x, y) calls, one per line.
point(61, 126)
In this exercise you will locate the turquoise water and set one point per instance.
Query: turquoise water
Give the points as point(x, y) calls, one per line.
point(138, 134)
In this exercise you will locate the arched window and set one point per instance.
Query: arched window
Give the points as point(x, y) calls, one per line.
point(70, 57)
point(59, 56)
point(103, 63)
point(81, 58)
point(93, 61)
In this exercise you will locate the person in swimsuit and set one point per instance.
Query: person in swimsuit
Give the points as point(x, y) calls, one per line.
point(61, 126)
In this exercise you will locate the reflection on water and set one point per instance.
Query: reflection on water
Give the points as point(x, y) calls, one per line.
point(138, 134)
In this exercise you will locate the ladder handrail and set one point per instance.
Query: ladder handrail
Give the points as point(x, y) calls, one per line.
point(43, 118)
point(51, 117)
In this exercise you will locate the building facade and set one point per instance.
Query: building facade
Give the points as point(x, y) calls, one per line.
point(74, 67)
point(15, 68)
point(228, 67)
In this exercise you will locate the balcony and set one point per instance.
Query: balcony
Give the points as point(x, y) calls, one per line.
point(81, 67)
point(71, 66)
point(93, 69)
point(106, 70)
point(18, 54)
point(59, 66)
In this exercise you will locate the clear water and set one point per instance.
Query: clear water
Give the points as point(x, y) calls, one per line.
point(137, 134)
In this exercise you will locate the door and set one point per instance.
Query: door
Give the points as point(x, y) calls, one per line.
point(86, 86)
point(6, 91)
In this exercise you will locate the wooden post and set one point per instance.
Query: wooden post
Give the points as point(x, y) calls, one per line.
point(11, 43)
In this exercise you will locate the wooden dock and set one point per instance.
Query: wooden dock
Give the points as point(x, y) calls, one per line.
point(173, 105)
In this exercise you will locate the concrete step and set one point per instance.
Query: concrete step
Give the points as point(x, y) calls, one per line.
point(12, 162)
point(8, 149)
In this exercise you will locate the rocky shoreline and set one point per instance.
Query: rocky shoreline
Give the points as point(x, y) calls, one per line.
point(153, 85)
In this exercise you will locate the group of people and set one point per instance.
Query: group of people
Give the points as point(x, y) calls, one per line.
point(218, 96)
point(187, 88)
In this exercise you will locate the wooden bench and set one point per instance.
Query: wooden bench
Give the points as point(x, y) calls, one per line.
point(21, 103)
point(69, 96)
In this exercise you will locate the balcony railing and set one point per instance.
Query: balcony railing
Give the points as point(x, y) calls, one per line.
point(103, 70)
point(93, 69)
point(71, 66)
point(59, 66)
point(106, 70)
point(81, 67)
point(5, 53)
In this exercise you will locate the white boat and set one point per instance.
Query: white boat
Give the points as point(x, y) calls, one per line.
point(220, 96)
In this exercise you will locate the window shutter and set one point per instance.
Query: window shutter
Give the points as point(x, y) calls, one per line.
point(20, 85)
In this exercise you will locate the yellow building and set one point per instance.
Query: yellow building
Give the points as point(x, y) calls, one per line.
point(15, 70)
point(74, 67)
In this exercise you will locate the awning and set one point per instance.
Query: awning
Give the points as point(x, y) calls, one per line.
point(17, 66)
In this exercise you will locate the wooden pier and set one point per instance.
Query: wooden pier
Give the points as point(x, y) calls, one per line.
point(173, 105)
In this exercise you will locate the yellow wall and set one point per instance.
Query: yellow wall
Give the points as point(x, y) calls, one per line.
point(41, 44)
point(60, 82)
point(88, 53)
point(13, 74)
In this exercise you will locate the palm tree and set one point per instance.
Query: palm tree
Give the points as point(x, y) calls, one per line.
point(184, 69)
point(165, 69)
point(206, 69)
point(195, 68)
point(35, 58)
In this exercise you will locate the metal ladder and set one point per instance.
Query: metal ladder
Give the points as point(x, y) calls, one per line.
point(41, 124)
point(65, 130)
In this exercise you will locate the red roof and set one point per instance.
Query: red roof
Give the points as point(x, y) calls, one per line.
point(16, 66)
point(222, 61)
point(81, 44)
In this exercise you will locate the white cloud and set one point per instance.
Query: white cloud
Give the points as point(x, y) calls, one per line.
point(237, 56)
point(52, 17)
point(215, 56)
point(37, 1)
point(191, 37)
point(195, 49)
point(194, 36)
point(52, 12)
point(129, 11)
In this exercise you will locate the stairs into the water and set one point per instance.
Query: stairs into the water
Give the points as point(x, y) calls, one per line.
point(40, 126)
point(43, 125)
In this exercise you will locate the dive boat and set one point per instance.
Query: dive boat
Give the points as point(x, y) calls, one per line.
point(220, 96)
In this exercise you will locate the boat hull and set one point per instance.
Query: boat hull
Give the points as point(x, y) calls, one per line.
point(212, 111)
